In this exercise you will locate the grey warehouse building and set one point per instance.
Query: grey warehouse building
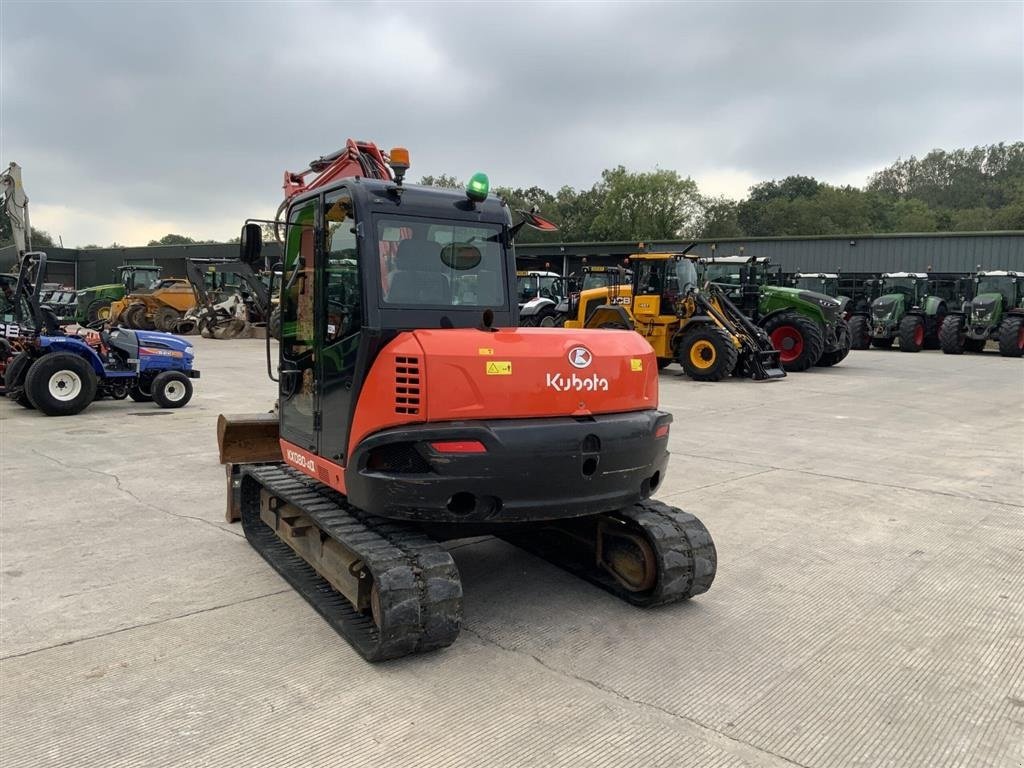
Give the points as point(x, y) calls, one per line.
point(956, 252)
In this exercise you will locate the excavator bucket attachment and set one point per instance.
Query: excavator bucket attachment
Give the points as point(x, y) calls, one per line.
point(245, 439)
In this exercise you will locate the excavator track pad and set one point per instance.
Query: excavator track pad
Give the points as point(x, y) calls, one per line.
point(647, 554)
point(389, 590)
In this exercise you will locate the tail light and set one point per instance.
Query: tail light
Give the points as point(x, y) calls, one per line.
point(661, 431)
point(459, 446)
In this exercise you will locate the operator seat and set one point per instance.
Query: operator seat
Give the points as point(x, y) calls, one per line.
point(417, 279)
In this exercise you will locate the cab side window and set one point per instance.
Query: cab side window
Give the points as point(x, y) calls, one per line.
point(343, 297)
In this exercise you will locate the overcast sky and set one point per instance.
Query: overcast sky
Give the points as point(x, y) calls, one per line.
point(133, 120)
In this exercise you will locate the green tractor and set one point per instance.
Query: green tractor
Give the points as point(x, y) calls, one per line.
point(996, 312)
point(911, 307)
point(806, 326)
point(93, 304)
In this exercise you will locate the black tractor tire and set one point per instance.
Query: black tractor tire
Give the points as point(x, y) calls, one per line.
point(94, 310)
point(171, 389)
point(974, 345)
point(549, 319)
point(933, 328)
point(61, 384)
point(1011, 337)
point(802, 333)
point(860, 332)
point(136, 317)
point(274, 324)
point(882, 342)
point(166, 318)
point(912, 333)
point(707, 354)
point(951, 339)
point(528, 321)
point(14, 379)
point(837, 355)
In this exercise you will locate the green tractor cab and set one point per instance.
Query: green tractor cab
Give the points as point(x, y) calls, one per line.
point(996, 312)
point(92, 305)
point(911, 307)
point(807, 327)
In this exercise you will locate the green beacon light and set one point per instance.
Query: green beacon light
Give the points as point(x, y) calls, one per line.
point(478, 187)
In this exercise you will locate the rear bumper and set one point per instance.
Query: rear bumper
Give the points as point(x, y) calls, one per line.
point(533, 469)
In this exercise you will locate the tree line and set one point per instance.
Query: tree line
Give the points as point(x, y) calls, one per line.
point(979, 189)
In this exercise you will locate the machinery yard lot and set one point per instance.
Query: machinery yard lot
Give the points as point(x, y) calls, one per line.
point(868, 607)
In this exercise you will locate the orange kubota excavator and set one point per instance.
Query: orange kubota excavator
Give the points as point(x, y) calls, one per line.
point(412, 410)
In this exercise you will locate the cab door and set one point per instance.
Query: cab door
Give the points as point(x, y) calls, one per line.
point(298, 400)
point(340, 318)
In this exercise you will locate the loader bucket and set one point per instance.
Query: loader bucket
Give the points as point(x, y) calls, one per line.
point(245, 439)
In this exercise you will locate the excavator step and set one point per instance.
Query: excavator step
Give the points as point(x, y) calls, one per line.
point(416, 603)
point(684, 559)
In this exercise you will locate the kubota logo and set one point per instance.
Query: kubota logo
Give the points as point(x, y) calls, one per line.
point(297, 458)
point(580, 357)
point(591, 383)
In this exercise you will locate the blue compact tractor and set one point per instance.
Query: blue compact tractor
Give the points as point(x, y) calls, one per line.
point(61, 374)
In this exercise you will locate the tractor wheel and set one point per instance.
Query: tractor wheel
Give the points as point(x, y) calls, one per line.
point(974, 345)
point(166, 318)
point(137, 317)
point(142, 391)
point(797, 338)
point(549, 319)
point(707, 354)
point(171, 389)
point(932, 330)
point(912, 332)
point(951, 339)
point(842, 349)
point(14, 379)
point(882, 342)
point(274, 324)
point(1011, 337)
point(61, 384)
point(860, 332)
point(98, 311)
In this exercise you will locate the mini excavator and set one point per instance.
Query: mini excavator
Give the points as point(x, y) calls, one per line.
point(412, 411)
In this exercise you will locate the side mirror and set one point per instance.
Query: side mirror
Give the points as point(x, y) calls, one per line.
point(538, 222)
point(250, 249)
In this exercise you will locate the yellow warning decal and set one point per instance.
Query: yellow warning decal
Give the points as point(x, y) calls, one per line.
point(485, 351)
point(636, 364)
point(499, 368)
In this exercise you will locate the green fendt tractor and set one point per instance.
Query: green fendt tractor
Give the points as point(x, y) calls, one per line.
point(996, 312)
point(911, 308)
point(93, 303)
point(806, 327)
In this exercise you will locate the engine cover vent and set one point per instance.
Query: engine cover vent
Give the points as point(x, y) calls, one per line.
point(407, 385)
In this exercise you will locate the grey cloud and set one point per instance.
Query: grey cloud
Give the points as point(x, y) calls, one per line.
point(192, 111)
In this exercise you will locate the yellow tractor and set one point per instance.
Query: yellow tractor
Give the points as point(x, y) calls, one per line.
point(697, 327)
point(161, 308)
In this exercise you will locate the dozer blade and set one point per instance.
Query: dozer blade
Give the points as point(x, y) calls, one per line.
point(250, 438)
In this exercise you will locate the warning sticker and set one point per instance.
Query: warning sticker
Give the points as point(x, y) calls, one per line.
point(636, 364)
point(499, 368)
point(486, 351)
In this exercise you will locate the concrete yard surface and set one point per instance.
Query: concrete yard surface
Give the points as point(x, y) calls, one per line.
point(868, 609)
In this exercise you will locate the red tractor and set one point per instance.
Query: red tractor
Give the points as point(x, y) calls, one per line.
point(412, 410)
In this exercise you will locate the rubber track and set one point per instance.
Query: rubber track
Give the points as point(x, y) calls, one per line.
point(687, 559)
point(418, 582)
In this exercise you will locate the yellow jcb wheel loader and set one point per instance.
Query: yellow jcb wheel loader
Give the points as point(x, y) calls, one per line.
point(697, 327)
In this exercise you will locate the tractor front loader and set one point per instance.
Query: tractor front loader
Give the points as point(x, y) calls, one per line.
point(411, 410)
